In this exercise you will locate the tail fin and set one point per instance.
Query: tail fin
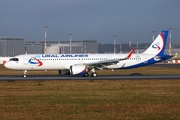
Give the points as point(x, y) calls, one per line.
point(159, 44)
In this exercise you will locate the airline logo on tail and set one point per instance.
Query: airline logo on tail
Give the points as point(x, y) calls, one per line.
point(156, 46)
point(35, 61)
point(159, 44)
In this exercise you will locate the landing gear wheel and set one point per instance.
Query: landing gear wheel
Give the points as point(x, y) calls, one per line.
point(86, 75)
point(94, 74)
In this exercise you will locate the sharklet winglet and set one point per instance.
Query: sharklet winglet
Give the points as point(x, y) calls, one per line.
point(130, 53)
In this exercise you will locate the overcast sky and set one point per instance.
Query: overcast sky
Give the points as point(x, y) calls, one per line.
point(90, 19)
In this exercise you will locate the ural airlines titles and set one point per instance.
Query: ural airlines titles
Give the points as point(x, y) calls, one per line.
point(65, 55)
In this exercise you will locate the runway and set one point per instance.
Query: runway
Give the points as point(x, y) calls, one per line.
point(100, 77)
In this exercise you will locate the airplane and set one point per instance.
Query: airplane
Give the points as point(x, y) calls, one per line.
point(82, 64)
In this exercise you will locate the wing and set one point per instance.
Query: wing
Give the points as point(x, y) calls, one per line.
point(101, 64)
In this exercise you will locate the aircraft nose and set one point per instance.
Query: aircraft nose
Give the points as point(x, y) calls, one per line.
point(7, 65)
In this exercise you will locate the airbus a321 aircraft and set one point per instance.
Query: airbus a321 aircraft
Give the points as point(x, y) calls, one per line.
point(82, 64)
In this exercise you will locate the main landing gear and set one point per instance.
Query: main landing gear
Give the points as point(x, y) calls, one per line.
point(93, 74)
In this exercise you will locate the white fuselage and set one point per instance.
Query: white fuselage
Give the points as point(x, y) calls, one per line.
point(64, 61)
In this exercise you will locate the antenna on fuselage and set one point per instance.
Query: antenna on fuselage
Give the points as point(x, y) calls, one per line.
point(25, 50)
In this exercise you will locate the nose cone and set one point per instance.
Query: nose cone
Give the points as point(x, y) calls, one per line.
point(7, 65)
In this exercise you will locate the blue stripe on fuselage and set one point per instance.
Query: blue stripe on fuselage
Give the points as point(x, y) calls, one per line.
point(145, 63)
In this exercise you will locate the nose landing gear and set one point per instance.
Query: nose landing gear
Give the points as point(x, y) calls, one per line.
point(25, 71)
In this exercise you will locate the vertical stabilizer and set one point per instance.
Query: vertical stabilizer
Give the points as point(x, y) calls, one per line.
point(158, 45)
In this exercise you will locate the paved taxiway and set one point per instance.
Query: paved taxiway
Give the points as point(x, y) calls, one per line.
point(100, 77)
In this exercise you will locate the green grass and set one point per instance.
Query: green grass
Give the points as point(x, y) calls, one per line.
point(99, 100)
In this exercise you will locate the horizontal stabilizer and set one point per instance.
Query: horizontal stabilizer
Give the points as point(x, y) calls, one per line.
point(164, 57)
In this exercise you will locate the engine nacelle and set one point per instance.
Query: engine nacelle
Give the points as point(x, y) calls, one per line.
point(78, 69)
point(63, 72)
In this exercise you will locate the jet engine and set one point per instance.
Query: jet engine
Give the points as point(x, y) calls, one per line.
point(78, 69)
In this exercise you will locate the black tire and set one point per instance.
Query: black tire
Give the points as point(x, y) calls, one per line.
point(94, 74)
point(86, 75)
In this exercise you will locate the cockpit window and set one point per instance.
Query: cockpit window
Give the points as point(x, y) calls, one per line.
point(14, 59)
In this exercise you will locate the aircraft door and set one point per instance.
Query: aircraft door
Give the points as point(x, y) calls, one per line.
point(25, 60)
point(145, 59)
